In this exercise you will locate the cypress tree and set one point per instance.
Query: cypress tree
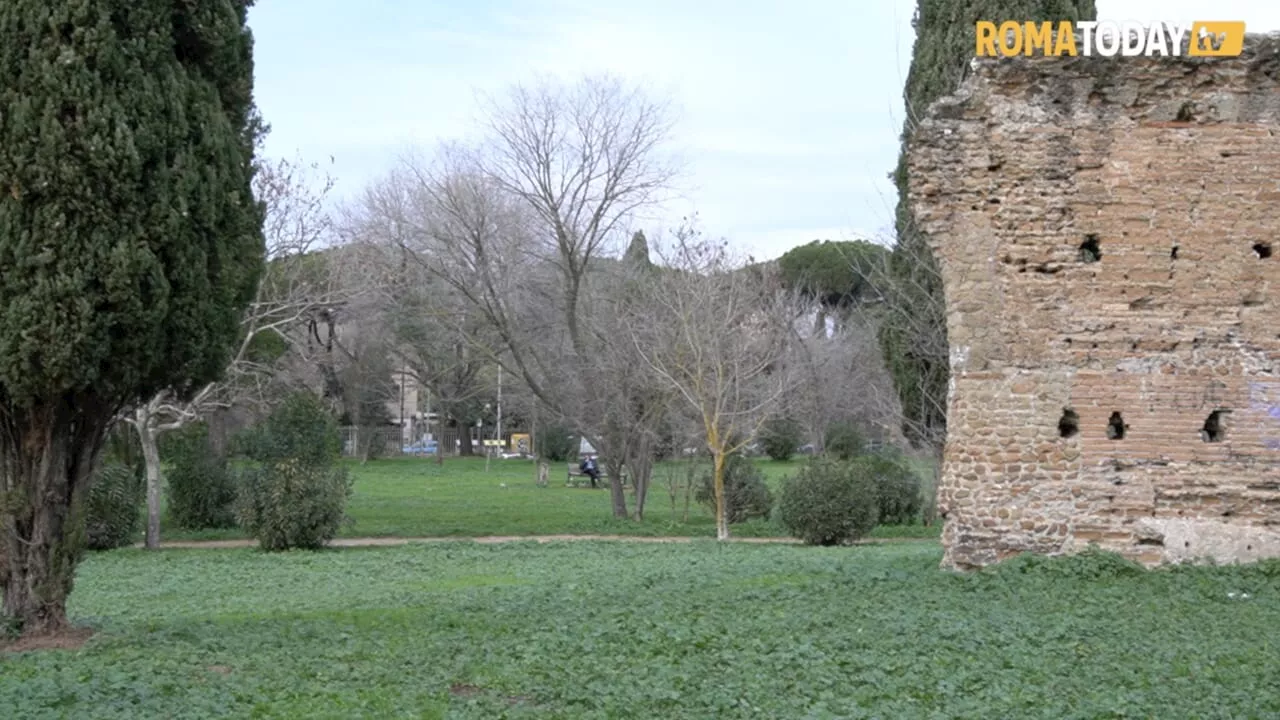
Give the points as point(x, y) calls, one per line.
point(914, 336)
point(130, 243)
point(637, 254)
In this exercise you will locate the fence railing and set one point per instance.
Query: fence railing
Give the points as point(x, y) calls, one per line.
point(392, 442)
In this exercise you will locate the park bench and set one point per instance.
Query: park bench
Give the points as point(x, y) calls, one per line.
point(577, 478)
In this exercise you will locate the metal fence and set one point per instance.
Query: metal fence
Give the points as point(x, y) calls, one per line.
point(376, 442)
point(392, 442)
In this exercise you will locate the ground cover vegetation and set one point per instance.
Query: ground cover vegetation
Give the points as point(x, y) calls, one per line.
point(600, 630)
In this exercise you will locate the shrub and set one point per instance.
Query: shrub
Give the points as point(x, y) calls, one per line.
point(113, 506)
point(201, 488)
point(830, 501)
point(780, 437)
point(897, 488)
point(746, 495)
point(556, 443)
point(295, 492)
point(668, 445)
point(112, 509)
point(842, 440)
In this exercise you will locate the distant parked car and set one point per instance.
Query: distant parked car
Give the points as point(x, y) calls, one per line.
point(809, 449)
point(424, 447)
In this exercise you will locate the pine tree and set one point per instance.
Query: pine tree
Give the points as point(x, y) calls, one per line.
point(130, 243)
point(914, 336)
point(637, 254)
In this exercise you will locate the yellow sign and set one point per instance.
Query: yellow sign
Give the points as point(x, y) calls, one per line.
point(522, 443)
point(1108, 38)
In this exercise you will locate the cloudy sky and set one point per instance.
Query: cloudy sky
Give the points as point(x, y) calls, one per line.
point(788, 113)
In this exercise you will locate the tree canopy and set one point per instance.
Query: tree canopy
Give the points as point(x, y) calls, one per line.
point(833, 273)
point(129, 235)
point(130, 243)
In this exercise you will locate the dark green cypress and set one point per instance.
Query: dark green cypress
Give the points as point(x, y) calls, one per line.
point(130, 243)
point(913, 337)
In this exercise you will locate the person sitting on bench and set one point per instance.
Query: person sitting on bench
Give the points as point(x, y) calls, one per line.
point(590, 469)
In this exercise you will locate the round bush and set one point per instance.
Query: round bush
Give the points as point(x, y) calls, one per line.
point(830, 502)
point(288, 504)
point(898, 489)
point(201, 488)
point(842, 440)
point(746, 495)
point(295, 492)
point(113, 506)
point(780, 437)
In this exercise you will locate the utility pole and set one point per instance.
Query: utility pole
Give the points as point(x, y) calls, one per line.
point(404, 437)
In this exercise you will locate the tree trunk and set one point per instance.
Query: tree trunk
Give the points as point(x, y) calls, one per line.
point(365, 437)
point(46, 460)
point(690, 477)
point(151, 458)
point(722, 521)
point(641, 464)
point(688, 500)
point(617, 495)
point(464, 441)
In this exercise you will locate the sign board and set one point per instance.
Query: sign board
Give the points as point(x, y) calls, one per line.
point(494, 443)
point(522, 443)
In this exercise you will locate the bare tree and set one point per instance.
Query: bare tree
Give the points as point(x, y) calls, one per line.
point(635, 402)
point(716, 333)
point(294, 284)
point(910, 316)
point(434, 335)
point(839, 375)
point(518, 225)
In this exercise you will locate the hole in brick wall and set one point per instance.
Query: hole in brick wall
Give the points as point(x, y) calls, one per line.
point(1090, 249)
point(1262, 250)
point(1214, 429)
point(1115, 427)
point(1173, 254)
point(1069, 423)
point(1185, 113)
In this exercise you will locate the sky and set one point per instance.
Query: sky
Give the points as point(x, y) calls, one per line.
point(787, 114)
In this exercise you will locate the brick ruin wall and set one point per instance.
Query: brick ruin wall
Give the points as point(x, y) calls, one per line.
point(1108, 231)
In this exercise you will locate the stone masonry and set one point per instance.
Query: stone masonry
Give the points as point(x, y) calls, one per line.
point(1109, 236)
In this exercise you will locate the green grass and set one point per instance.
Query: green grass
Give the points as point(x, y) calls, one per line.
point(612, 630)
point(412, 497)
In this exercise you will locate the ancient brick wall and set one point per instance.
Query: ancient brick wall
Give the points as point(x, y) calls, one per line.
point(1109, 235)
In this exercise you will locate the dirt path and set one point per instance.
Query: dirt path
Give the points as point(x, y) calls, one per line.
point(494, 539)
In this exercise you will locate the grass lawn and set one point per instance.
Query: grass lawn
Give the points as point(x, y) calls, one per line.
point(413, 497)
point(612, 630)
